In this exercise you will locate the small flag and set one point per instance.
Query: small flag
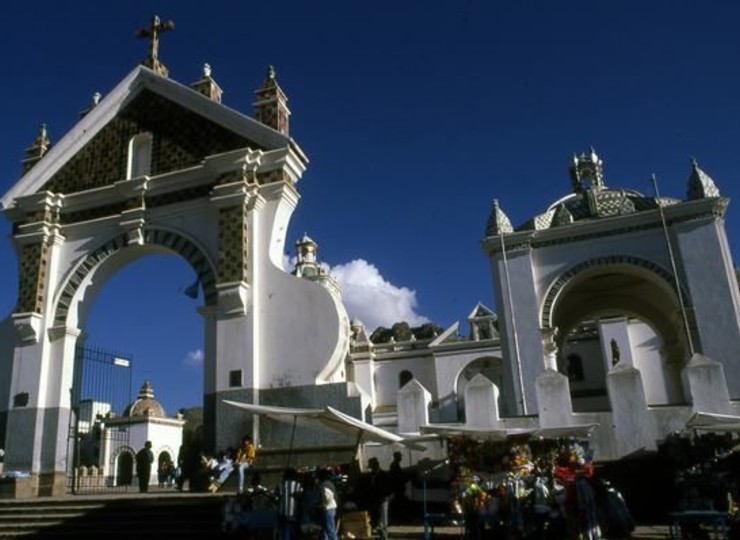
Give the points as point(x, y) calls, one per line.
point(192, 290)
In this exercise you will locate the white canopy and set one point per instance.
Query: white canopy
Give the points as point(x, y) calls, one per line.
point(328, 417)
point(713, 422)
point(501, 434)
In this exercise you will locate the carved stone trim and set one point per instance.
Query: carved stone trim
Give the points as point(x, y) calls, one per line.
point(58, 332)
point(233, 298)
point(27, 327)
point(565, 277)
point(170, 240)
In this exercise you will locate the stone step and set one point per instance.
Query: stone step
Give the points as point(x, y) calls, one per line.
point(181, 517)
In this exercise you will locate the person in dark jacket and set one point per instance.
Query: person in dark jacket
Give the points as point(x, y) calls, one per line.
point(144, 460)
point(377, 487)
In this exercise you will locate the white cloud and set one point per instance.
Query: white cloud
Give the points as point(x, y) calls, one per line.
point(368, 296)
point(193, 358)
point(375, 301)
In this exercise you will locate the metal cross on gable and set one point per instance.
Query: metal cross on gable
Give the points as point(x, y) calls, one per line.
point(155, 28)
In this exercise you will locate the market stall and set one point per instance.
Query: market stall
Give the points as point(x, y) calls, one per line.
point(256, 510)
point(529, 483)
point(705, 459)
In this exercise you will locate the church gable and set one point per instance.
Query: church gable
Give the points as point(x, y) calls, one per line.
point(180, 139)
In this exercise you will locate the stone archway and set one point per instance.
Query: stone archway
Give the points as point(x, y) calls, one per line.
point(102, 260)
point(624, 299)
point(157, 167)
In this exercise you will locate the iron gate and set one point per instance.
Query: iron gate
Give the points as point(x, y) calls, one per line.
point(99, 456)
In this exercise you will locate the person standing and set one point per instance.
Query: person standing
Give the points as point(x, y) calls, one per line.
point(244, 459)
point(397, 476)
point(289, 491)
point(328, 505)
point(379, 489)
point(181, 471)
point(144, 460)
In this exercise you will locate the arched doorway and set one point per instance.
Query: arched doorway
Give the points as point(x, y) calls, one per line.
point(623, 306)
point(125, 469)
point(165, 469)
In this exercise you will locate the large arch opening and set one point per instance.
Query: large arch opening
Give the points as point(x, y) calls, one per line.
point(144, 300)
point(141, 309)
point(622, 311)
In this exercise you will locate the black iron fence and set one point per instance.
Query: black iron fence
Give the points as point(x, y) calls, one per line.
point(99, 456)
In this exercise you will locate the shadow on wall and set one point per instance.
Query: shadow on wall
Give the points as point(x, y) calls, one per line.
point(7, 347)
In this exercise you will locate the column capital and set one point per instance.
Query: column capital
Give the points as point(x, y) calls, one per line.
point(27, 327)
point(233, 298)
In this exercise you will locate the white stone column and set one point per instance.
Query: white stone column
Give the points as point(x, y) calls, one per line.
point(615, 328)
point(363, 376)
point(554, 405)
point(633, 425)
point(705, 385)
point(481, 402)
point(412, 406)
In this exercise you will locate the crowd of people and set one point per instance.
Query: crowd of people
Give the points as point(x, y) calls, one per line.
point(309, 503)
point(533, 490)
point(536, 489)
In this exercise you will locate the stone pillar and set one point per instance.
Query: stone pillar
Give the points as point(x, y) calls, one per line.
point(363, 376)
point(705, 385)
point(633, 425)
point(615, 341)
point(553, 399)
point(481, 402)
point(554, 405)
point(271, 105)
point(39, 408)
point(362, 355)
point(412, 407)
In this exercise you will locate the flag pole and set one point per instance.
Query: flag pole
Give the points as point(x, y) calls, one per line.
point(517, 358)
point(674, 269)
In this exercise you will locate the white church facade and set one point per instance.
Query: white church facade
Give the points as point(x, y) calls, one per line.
point(156, 166)
point(615, 309)
point(110, 441)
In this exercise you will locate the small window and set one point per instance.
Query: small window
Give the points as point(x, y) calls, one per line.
point(235, 378)
point(404, 377)
point(139, 155)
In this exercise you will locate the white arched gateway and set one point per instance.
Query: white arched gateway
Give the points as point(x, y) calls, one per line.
point(159, 167)
point(612, 302)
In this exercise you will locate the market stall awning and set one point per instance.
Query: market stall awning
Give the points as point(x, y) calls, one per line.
point(328, 417)
point(502, 434)
point(713, 422)
point(556, 432)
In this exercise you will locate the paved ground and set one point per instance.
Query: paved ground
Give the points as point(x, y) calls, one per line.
point(398, 532)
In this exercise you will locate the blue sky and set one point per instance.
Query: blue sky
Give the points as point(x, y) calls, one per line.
point(414, 115)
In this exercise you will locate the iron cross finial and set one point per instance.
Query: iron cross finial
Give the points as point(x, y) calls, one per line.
point(156, 27)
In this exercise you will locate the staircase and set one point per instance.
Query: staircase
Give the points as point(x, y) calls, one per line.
point(176, 516)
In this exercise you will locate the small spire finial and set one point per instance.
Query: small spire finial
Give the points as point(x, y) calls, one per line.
point(36, 151)
point(270, 72)
point(206, 69)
